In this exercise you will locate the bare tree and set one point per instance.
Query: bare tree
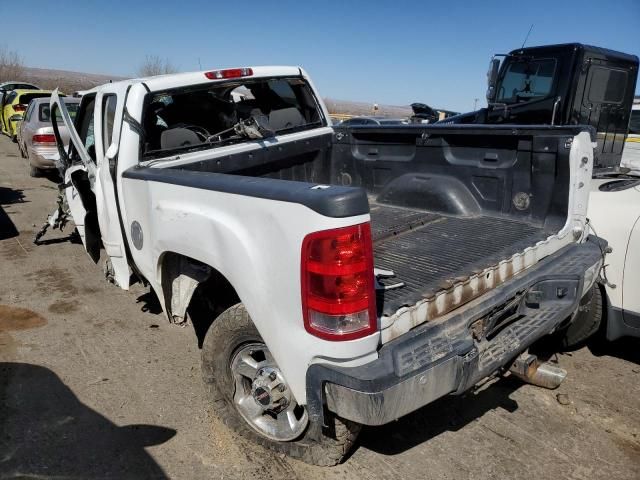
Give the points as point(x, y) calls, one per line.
point(154, 65)
point(11, 65)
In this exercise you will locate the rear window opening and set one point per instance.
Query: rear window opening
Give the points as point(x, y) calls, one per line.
point(44, 114)
point(25, 98)
point(195, 118)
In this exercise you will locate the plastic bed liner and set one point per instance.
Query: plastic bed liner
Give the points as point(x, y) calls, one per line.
point(429, 251)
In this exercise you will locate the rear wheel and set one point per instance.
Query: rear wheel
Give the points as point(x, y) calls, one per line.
point(586, 322)
point(34, 171)
point(251, 396)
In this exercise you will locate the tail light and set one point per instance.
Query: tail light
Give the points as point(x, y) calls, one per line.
point(229, 73)
point(20, 107)
point(44, 139)
point(338, 294)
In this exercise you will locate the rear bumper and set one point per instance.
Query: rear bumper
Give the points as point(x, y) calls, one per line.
point(43, 157)
point(439, 358)
point(622, 323)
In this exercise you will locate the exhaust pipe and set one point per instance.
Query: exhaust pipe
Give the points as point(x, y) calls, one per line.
point(528, 368)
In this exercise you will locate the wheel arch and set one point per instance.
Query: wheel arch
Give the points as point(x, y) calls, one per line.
point(192, 289)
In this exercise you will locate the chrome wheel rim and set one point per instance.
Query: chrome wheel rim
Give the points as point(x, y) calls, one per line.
point(263, 397)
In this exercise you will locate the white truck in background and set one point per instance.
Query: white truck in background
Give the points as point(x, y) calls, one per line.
point(335, 277)
point(631, 153)
point(614, 213)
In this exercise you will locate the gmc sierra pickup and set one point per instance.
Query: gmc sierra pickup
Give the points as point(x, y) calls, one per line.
point(334, 277)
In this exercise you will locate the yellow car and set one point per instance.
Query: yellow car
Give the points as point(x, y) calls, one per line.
point(13, 106)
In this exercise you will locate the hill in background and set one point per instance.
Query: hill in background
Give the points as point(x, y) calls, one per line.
point(70, 82)
point(346, 107)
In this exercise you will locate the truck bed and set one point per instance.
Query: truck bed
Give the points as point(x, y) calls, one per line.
point(427, 250)
point(445, 202)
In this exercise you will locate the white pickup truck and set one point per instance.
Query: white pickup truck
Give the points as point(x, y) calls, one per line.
point(335, 276)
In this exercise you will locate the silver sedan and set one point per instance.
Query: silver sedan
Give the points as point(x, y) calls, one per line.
point(36, 140)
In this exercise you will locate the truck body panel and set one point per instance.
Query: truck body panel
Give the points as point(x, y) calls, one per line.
point(243, 209)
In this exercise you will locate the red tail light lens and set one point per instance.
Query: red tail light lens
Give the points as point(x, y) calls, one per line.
point(44, 138)
point(229, 73)
point(338, 294)
point(19, 107)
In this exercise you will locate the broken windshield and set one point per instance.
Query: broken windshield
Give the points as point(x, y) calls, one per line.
point(526, 80)
point(195, 118)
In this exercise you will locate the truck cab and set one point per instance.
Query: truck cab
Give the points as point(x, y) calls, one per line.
point(565, 84)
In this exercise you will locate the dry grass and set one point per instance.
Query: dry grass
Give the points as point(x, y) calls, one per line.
point(154, 65)
point(11, 65)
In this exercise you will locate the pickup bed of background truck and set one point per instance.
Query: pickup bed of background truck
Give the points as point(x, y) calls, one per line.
point(333, 277)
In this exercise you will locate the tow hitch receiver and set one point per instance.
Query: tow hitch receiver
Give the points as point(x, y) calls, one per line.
point(528, 368)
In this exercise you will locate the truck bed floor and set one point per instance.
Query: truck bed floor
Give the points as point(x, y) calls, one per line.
point(426, 250)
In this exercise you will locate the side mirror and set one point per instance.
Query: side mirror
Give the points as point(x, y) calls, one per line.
point(492, 79)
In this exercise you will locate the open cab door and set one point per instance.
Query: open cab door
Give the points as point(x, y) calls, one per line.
point(78, 174)
point(88, 185)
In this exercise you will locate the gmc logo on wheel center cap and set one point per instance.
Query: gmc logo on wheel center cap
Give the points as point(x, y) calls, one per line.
point(262, 396)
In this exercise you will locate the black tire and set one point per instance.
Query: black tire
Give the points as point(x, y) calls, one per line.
point(587, 320)
point(34, 171)
point(230, 331)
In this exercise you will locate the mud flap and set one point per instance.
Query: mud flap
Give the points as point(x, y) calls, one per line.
point(180, 279)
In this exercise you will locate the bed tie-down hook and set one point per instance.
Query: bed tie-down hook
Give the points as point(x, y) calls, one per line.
point(380, 273)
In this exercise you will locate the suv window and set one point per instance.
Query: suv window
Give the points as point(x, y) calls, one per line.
point(11, 97)
point(526, 80)
point(108, 115)
point(209, 116)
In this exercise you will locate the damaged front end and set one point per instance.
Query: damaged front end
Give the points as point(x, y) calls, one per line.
point(56, 220)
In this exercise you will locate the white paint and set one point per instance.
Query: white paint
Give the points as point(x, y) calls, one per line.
point(100, 176)
point(615, 216)
point(255, 243)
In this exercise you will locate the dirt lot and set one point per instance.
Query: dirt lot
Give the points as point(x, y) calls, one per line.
point(95, 384)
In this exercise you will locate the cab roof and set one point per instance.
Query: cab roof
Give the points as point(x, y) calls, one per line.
point(625, 57)
point(177, 80)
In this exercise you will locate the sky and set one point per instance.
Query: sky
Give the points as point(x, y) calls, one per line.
point(388, 52)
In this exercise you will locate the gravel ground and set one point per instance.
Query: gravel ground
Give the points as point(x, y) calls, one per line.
point(95, 384)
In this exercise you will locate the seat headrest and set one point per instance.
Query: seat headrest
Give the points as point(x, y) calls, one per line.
point(178, 137)
point(285, 118)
